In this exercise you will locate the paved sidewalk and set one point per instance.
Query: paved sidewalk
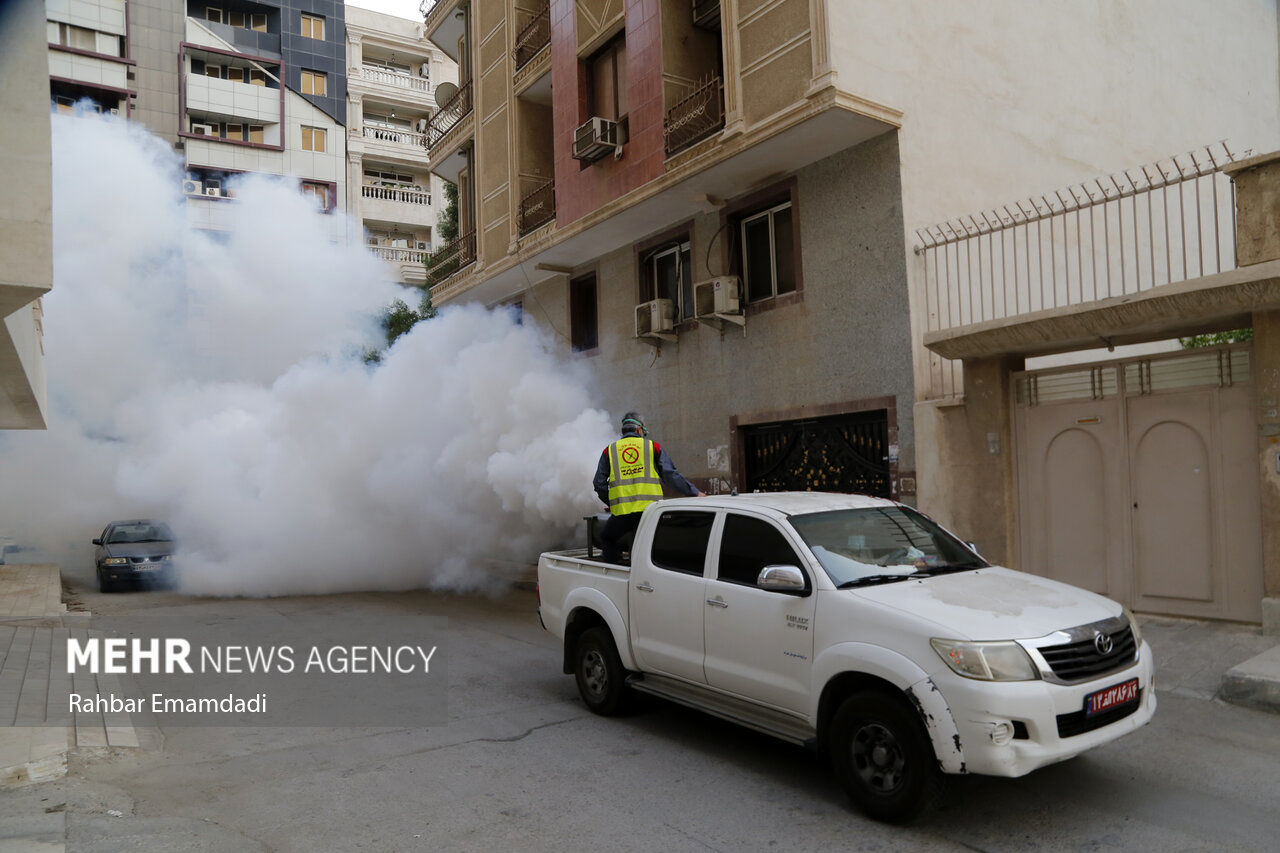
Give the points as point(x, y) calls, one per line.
point(37, 726)
point(1194, 656)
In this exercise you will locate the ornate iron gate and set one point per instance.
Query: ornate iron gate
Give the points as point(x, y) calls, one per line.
point(844, 453)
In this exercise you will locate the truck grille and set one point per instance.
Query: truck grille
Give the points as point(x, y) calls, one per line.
point(1081, 660)
point(1078, 722)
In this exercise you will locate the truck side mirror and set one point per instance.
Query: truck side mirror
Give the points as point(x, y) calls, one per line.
point(781, 579)
point(97, 542)
point(973, 546)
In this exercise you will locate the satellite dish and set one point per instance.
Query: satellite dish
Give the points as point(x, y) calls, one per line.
point(444, 93)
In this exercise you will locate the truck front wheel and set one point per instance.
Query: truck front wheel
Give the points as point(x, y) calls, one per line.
point(882, 755)
point(599, 673)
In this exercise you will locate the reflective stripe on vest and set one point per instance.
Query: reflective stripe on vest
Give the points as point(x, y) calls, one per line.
point(632, 485)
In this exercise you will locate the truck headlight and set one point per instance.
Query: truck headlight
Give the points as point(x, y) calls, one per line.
point(1003, 661)
point(115, 561)
point(1133, 625)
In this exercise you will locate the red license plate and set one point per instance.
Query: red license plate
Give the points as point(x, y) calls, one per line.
point(1119, 694)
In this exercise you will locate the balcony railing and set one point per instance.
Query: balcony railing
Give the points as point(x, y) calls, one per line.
point(533, 38)
point(406, 195)
point(696, 117)
point(452, 112)
point(450, 258)
point(399, 79)
point(400, 256)
point(538, 207)
point(425, 7)
point(403, 137)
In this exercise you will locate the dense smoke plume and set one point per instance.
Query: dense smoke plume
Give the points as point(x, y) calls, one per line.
point(215, 381)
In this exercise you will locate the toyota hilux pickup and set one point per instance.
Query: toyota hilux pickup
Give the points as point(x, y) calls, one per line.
point(854, 625)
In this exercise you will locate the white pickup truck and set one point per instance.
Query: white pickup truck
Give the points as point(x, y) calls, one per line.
point(855, 625)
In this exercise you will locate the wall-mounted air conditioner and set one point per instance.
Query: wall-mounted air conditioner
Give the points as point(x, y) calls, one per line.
point(204, 129)
point(596, 138)
point(719, 299)
point(421, 244)
point(216, 192)
point(115, 111)
point(421, 125)
point(191, 188)
point(656, 319)
point(425, 70)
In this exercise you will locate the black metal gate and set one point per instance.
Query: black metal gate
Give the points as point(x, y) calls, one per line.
point(843, 453)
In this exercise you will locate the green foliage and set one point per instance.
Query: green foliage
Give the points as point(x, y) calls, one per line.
point(397, 319)
point(447, 225)
point(1216, 339)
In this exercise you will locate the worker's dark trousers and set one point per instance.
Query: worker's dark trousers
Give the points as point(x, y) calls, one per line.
point(615, 529)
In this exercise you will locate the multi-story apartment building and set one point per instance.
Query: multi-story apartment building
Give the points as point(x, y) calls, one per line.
point(26, 220)
point(89, 54)
point(392, 76)
point(717, 203)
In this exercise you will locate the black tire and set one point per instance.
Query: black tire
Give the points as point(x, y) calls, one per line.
point(883, 757)
point(599, 673)
point(105, 585)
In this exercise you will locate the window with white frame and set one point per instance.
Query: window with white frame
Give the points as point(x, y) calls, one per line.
point(378, 178)
point(313, 138)
point(318, 191)
point(666, 272)
point(768, 257)
point(312, 26)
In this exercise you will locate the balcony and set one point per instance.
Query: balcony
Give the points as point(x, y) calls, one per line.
point(400, 256)
point(533, 38)
point(404, 195)
point(395, 136)
point(537, 208)
point(395, 79)
point(451, 258)
point(450, 114)
point(697, 117)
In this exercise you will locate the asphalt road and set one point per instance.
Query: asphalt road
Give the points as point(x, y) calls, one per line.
point(523, 765)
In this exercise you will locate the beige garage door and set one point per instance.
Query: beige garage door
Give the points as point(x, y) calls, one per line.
point(1137, 480)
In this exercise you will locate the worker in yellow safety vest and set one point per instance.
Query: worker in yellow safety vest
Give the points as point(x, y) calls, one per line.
point(629, 478)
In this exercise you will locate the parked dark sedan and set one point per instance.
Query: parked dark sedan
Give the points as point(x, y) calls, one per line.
point(134, 551)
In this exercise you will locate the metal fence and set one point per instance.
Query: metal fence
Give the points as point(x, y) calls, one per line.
point(533, 38)
point(537, 208)
point(695, 117)
point(1111, 236)
point(453, 111)
point(450, 258)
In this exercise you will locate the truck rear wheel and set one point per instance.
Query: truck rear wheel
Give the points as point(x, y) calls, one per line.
point(882, 755)
point(599, 673)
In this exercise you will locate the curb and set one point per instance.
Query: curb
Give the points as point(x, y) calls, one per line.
point(1255, 683)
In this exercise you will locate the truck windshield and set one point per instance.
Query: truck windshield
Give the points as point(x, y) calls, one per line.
point(877, 543)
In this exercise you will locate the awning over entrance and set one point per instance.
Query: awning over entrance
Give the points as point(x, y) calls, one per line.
point(1211, 303)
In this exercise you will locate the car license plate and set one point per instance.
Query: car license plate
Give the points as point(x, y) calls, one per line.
point(1119, 694)
point(149, 567)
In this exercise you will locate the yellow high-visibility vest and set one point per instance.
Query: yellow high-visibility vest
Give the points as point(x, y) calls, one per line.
point(633, 475)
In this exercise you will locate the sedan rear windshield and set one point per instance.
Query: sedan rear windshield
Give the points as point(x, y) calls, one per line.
point(124, 533)
point(881, 543)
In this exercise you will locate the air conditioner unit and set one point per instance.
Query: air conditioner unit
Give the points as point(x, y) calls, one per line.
point(656, 319)
point(425, 70)
point(204, 130)
point(421, 244)
point(422, 125)
point(596, 138)
point(216, 192)
point(719, 299)
point(191, 188)
point(115, 111)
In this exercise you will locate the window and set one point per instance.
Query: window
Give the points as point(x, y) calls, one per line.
point(768, 260)
point(312, 26)
point(77, 37)
point(259, 21)
point(750, 544)
point(257, 77)
point(584, 330)
point(680, 541)
point(666, 272)
point(235, 131)
point(607, 81)
point(212, 70)
point(376, 178)
point(314, 82)
point(237, 74)
point(313, 138)
point(236, 19)
point(318, 191)
point(255, 133)
point(212, 14)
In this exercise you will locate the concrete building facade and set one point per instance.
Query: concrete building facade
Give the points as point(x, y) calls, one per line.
point(26, 213)
point(392, 75)
point(616, 159)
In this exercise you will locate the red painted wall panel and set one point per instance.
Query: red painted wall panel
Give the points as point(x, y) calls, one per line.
point(580, 191)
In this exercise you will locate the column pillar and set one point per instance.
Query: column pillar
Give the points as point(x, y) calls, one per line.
point(734, 123)
point(824, 76)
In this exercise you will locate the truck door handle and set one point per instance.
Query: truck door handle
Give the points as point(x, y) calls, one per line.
point(644, 587)
point(717, 602)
